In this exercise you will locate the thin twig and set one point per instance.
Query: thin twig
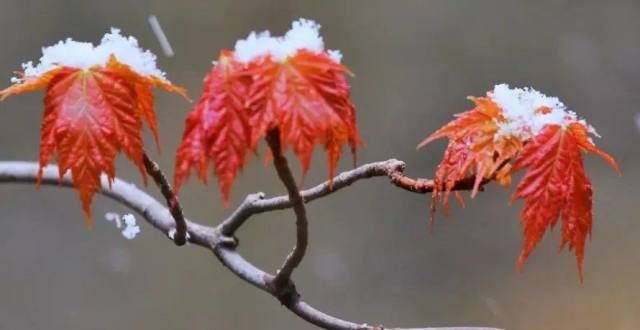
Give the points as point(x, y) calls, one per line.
point(424, 186)
point(154, 170)
point(211, 238)
point(256, 203)
point(283, 276)
point(392, 168)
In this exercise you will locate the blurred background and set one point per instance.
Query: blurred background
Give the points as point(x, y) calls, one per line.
point(371, 257)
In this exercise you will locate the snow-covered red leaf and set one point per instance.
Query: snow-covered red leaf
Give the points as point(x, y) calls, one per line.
point(473, 149)
point(307, 98)
point(556, 186)
point(96, 100)
point(289, 83)
point(90, 115)
point(541, 135)
point(217, 128)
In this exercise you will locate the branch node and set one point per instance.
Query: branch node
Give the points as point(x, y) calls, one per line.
point(223, 245)
point(230, 242)
point(395, 165)
point(286, 293)
point(220, 239)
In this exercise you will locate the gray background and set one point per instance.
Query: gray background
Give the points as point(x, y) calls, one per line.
point(371, 257)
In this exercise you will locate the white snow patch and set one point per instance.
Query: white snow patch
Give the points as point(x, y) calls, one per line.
point(130, 230)
point(335, 55)
point(304, 34)
point(172, 234)
point(114, 217)
point(84, 55)
point(525, 113)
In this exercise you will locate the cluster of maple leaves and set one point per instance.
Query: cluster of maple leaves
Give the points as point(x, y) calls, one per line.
point(555, 185)
point(91, 115)
point(305, 96)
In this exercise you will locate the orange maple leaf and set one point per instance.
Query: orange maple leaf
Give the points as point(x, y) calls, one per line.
point(90, 116)
point(472, 150)
point(540, 134)
point(556, 186)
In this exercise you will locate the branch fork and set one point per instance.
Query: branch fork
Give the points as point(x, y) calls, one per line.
point(220, 239)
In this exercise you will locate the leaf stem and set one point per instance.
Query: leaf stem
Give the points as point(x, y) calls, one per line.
point(154, 170)
point(282, 278)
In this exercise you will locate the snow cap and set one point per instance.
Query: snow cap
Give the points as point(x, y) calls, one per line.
point(84, 55)
point(527, 111)
point(304, 34)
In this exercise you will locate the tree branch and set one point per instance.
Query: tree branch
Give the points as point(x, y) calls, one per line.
point(180, 236)
point(213, 238)
point(282, 279)
point(423, 186)
point(256, 203)
point(392, 168)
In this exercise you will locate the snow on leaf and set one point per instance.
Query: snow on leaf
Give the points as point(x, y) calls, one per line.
point(290, 83)
point(84, 55)
point(300, 88)
point(527, 111)
point(472, 150)
point(556, 186)
point(307, 98)
point(90, 115)
point(217, 128)
point(541, 135)
point(304, 34)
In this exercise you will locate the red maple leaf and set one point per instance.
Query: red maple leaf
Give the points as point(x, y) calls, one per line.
point(305, 96)
point(539, 134)
point(218, 127)
point(472, 150)
point(90, 116)
point(144, 93)
point(556, 186)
